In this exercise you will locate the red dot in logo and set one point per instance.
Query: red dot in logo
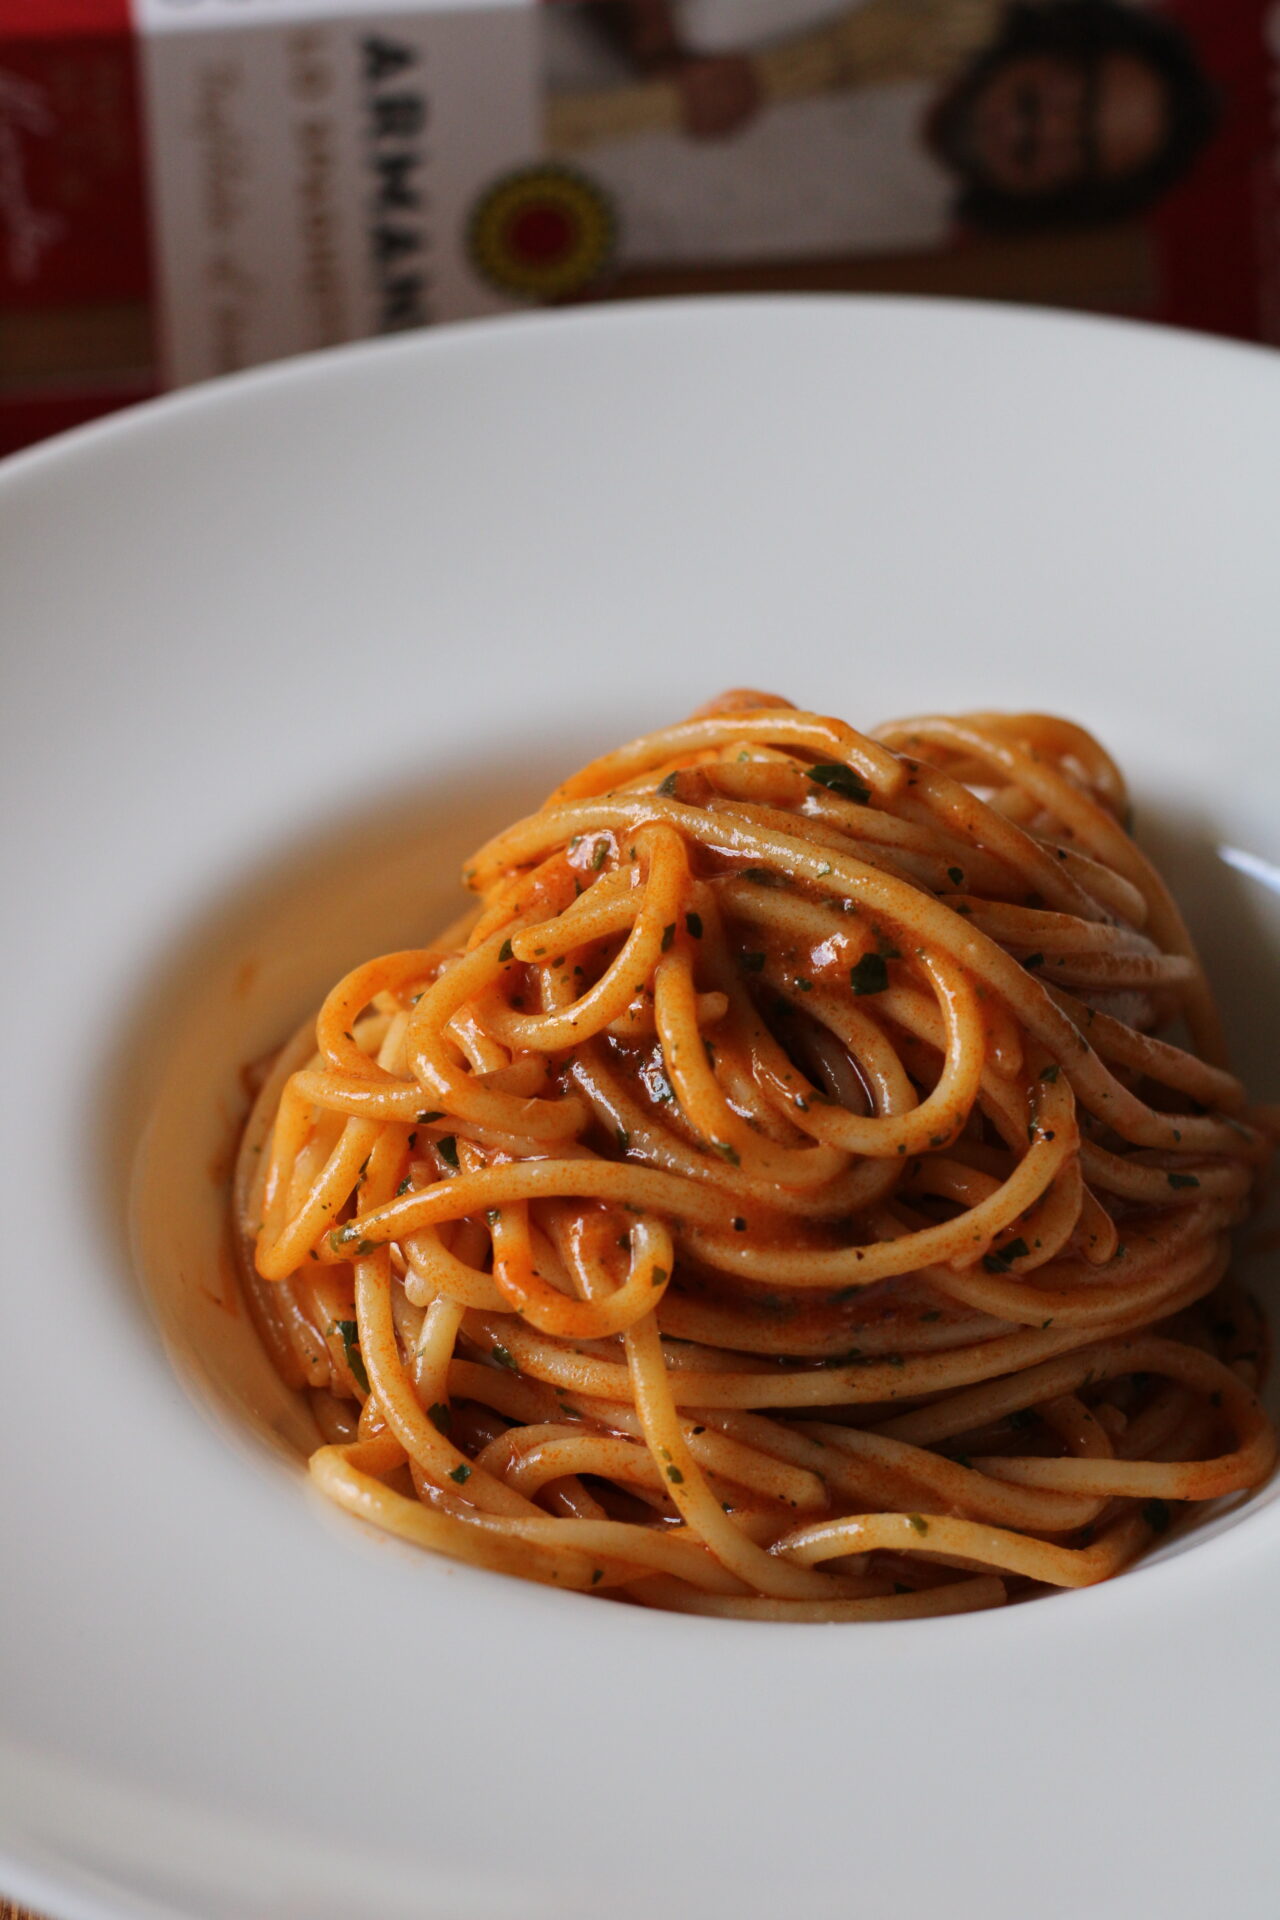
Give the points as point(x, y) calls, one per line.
point(540, 235)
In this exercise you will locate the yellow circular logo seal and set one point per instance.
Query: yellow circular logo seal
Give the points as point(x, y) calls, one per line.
point(544, 232)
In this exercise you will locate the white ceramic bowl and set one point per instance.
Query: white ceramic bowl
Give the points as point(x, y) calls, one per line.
point(279, 651)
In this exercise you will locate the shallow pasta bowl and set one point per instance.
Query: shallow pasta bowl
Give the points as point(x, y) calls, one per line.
point(280, 652)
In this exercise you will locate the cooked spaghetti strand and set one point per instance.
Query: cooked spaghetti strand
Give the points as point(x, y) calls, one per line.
point(786, 1198)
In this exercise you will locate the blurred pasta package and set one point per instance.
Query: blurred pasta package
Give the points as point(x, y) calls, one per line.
point(192, 186)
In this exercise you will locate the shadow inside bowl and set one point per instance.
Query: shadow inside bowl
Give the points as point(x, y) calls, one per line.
point(231, 990)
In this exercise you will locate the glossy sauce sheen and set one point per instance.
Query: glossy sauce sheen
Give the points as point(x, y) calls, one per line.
point(786, 1196)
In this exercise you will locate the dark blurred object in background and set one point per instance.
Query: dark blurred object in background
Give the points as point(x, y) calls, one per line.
point(185, 190)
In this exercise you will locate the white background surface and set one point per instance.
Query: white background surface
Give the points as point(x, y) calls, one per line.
point(346, 591)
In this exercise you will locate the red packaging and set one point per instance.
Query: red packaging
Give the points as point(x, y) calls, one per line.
point(73, 223)
point(186, 189)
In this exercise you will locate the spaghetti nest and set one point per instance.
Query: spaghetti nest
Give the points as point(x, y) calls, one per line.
point(777, 1201)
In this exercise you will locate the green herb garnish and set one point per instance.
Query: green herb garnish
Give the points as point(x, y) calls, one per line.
point(841, 780)
point(348, 1331)
point(871, 975)
point(1001, 1261)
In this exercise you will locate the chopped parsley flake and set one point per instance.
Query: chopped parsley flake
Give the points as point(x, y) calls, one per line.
point(504, 951)
point(668, 935)
point(693, 921)
point(1032, 961)
point(503, 1357)
point(1002, 1259)
point(841, 780)
point(1050, 1073)
point(440, 1416)
point(348, 1332)
point(871, 975)
point(917, 1521)
point(956, 876)
point(461, 1474)
point(1183, 1180)
point(447, 1148)
point(674, 1473)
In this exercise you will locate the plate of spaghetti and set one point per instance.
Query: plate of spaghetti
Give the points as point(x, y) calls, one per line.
point(647, 1296)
